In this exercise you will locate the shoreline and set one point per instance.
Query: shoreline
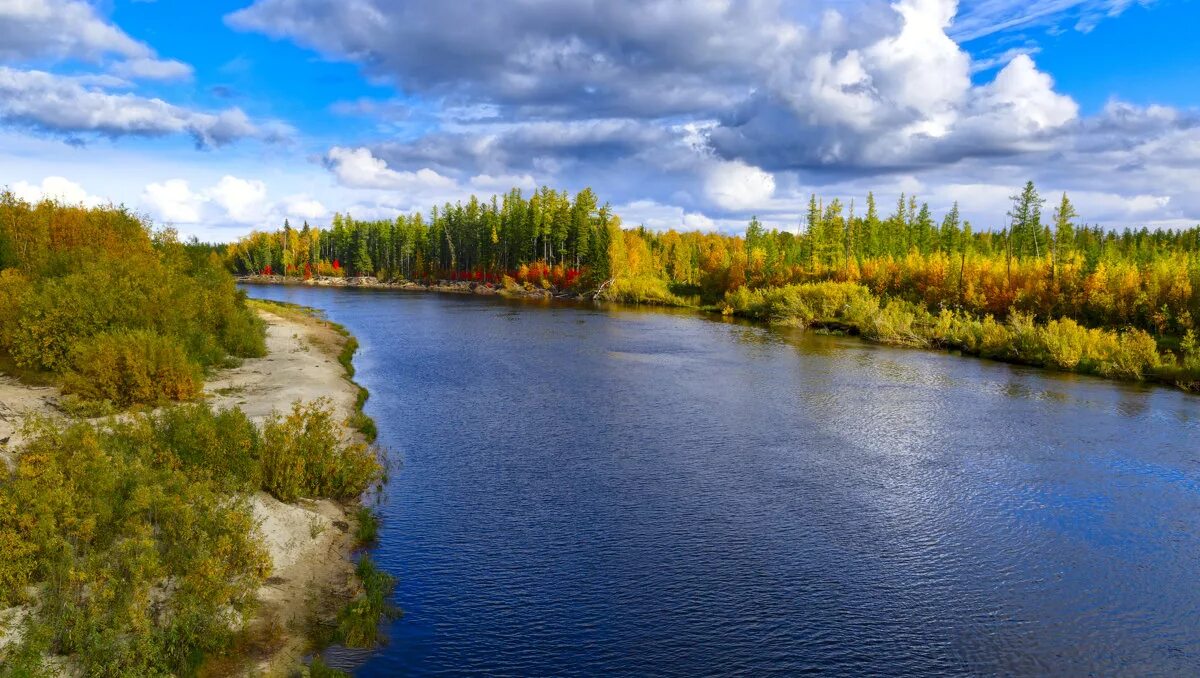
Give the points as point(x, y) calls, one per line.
point(528, 291)
point(311, 543)
point(519, 291)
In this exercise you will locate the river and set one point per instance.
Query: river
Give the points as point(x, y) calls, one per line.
point(616, 491)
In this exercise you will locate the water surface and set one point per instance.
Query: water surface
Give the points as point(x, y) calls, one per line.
point(621, 492)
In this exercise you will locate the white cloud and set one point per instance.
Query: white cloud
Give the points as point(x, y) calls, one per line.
point(304, 207)
point(61, 29)
point(659, 217)
point(359, 168)
point(56, 188)
point(735, 185)
point(153, 69)
point(71, 106)
point(986, 17)
point(71, 29)
point(174, 202)
point(244, 201)
point(1020, 104)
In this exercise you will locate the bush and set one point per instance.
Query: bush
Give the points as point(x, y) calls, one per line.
point(84, 273)
point(143, 560)
point(304, 456)
point(358, 622)
point(642, 290)
point(131, 368)
point(1131, 357)
point(224, 446)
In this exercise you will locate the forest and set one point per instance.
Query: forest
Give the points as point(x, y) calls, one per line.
point(1094, 298)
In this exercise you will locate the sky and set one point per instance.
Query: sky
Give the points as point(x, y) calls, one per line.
point(223, 116)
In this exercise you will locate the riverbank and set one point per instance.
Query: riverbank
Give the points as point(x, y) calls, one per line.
point(1060, 345)
point(309, 544)
point(515, 290)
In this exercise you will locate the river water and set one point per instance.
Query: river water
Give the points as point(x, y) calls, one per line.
point(593, 491)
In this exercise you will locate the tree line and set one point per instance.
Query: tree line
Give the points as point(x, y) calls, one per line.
point(1049, 265)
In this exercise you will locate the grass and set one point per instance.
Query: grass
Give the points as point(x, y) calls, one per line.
point(319, 669)
point(366, 529)
point(358, 622)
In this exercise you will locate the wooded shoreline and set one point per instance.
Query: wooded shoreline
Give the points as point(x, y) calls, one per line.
point(1014, 341)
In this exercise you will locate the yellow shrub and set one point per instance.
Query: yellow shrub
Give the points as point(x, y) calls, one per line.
point(131, 368)
point(303, 456)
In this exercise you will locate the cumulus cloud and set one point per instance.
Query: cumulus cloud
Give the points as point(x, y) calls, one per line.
point(304, 207)
point(56, 188)
point(735, 185)
point(243, 200)
point(231, 201)
point(173, 201)
point(61, 29)
point(358, 168)
point(621, 57)
point(71, 106)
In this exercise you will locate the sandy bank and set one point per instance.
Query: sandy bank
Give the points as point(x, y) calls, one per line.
point(309, 542)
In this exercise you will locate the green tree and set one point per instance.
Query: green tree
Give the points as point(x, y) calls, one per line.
point(1025, 223)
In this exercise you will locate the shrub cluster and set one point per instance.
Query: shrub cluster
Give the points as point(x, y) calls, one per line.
point(303, 456)
point(135, 562)
point(131, 542)
point(1061, 343)
point(127, 315)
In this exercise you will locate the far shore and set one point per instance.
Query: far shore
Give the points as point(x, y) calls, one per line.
point(526, 291)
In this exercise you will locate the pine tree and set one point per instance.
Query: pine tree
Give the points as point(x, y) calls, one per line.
point(1064, 231)
point(1026, 222)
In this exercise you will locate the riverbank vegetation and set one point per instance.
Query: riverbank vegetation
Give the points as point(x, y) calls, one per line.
point(132, 542)
point(95, 300)
point(943, 282)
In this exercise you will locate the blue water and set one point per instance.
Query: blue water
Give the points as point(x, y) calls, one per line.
point(619, 492)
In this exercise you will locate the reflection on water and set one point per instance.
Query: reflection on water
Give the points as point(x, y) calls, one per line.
point(591, 491)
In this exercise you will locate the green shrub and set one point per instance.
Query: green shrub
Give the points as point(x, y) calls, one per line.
point(226, 446)
point(358, 622)
point(1134, 354)
point(84, 273)
point(304, 456)
point(141, 558)
point(366, 526)
point(131, 368)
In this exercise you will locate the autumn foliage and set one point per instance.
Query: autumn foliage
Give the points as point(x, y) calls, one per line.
point(117, 311)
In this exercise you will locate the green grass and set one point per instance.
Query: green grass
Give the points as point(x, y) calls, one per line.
point(367, 530)
point(358, 622)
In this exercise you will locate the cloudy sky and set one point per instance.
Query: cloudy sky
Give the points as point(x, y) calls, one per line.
point(222, 116)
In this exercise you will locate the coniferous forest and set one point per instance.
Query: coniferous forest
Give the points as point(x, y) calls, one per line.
point(1043, 288)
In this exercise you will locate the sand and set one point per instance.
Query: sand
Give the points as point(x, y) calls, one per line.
point(309, 542)
point(18, 400)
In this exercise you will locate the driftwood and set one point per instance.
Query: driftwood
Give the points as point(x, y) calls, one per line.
point(600, 290)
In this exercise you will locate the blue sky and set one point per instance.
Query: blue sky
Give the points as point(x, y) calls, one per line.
point(222, 117)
